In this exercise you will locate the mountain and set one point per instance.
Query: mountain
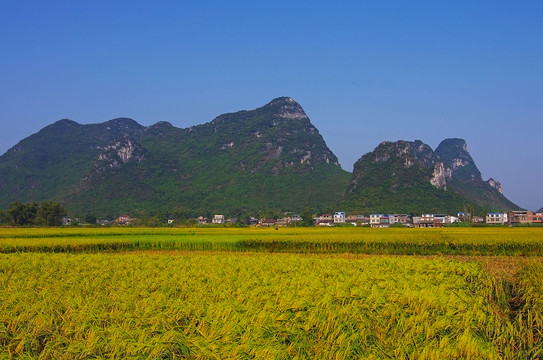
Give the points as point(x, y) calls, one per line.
point(464, 177)
point(409, 177)
point(44, 165)
point(270, 158)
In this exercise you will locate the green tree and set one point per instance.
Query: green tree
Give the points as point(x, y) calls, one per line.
point(50, 214)
point(307, 217)
point(4, 217)
point(90, 219)
point(22, 214)
point(469, 211)
point(179, 214)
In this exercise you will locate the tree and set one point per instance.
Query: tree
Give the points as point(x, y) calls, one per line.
point(307, 217)
point(4, 217)
point(90, 219)
point(22, 214)
point(50, 214)
point(469, 211)
point(179, 214)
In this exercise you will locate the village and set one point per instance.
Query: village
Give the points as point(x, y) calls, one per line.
point(340, 218)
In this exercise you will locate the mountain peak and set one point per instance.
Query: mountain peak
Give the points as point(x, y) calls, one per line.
point(282, 100)
point(122, 122)
point(285, 107)
point(455, 156)
point(65, 122)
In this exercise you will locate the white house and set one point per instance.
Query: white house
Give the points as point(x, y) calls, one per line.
point(339, 217)
point(218, 219)
point(496, 218)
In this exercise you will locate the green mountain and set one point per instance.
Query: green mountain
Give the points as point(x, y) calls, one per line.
point(464, 177)
point(44, 165)
point(409, 177)
point(270, 158)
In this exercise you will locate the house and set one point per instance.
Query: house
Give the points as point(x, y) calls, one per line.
point(520, 217)
point(339, 217)
point(202, 220)
point(525, 217)
point(399, 219)
point(375, 219)
point(325, 220)
point(283, 221)
point(253, 221)
point(267, 222)
point(352, 219)
point(379, 220)
point(124, 220)
point(478, 219)
point(360, 219)
point(464, 216)
point(296, 218)
point(442, 218)
point(218, 219)
point(496, 218)
point(432, 220)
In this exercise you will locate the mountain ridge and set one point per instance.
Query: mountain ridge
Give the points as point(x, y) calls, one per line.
point(410, 177)
point(269, 158)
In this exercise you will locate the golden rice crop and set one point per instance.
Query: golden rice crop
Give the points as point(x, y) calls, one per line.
point(265, 306)
point(459, 241)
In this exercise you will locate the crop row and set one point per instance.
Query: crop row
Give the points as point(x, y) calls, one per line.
point(471, 241)
point(529, 291)
point(280, 306)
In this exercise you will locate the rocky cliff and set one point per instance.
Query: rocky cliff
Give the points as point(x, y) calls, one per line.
point(410, 177)
point(464, 177)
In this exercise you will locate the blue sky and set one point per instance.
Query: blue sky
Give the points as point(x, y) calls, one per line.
point(364, 71)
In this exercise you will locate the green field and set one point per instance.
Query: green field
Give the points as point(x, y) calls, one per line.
point(266, 294)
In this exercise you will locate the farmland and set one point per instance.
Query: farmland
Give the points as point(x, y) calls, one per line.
point(261, 293)
point(453, 241)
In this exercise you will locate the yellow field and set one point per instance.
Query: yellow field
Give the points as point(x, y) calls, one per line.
point(457, 241)
point(97, 302)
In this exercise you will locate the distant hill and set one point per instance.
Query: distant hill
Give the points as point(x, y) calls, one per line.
point(270, 159)
point(249, 161)
point(409, 177)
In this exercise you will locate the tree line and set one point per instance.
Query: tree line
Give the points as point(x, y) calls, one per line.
point(47, 213)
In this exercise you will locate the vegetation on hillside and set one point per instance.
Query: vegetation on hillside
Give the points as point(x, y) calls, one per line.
point(391, 179)
point(267, 160)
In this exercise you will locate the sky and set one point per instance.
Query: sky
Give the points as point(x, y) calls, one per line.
point(364, 71)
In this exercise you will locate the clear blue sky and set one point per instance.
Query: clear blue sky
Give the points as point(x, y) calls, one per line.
point(364, 71)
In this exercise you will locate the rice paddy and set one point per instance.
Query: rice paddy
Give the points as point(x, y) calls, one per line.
point(454, 241)
point(206, 294)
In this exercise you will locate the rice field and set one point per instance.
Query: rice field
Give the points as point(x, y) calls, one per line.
point(74, 294)
point(453, 241)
